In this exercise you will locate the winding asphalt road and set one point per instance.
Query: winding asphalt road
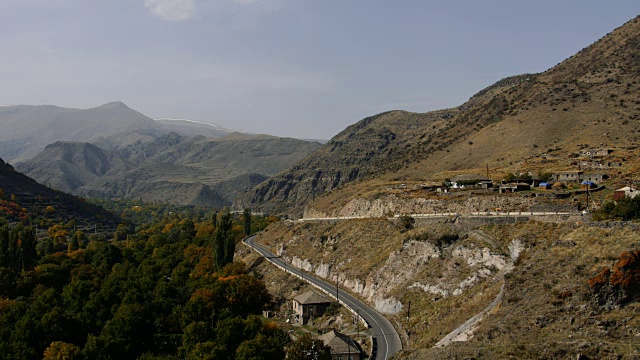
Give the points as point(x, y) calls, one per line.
point(384, 334)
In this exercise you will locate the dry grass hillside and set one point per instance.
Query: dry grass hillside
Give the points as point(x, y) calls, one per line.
point(530, 122)
point(449, 274)
point(548, 310)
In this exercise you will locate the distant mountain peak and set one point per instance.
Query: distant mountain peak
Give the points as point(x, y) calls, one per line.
point(115, 104)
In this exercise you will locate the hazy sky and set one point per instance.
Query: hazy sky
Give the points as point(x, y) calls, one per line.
point(285, 67)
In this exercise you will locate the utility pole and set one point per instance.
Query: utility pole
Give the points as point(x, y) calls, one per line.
point(408, 317)
point(588, 185)
point(358, 322)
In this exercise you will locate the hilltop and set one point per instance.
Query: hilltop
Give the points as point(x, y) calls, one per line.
point(22, 198)
point(28, 129)
point(524, 123)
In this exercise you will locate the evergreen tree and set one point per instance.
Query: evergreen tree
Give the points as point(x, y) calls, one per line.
point(218, 249)
point(229, 242)
point(247, 221)
point(214, 219)
point(28, 247)
point(74, 244)
point(224, 245)
point(4, 243)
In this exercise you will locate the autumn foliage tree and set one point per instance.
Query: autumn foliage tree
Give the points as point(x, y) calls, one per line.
point(158, 295)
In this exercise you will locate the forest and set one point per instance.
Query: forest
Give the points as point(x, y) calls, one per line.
point(166, 289)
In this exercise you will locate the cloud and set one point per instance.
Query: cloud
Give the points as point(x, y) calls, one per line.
point(243, 2)
point(171, 10)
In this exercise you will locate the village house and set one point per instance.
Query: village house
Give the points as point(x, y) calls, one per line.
point(600, 164)
point(578, 177)
point(342, 346)
point(308, 306)
point(466, 181)
point(595, 152)
point(514, 187)
point(595, 178)
point(567, 176)
point(625, 191)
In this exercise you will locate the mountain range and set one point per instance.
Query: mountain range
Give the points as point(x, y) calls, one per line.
point(524, 123)
point(28, 129)
point(113, 151)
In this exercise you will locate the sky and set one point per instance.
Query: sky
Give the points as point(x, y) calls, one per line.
point(297, 68)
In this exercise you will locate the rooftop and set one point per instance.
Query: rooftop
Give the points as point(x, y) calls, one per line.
point(311, 297)
point(339, 343)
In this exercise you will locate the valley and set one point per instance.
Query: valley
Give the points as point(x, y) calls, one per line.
point(502, 228)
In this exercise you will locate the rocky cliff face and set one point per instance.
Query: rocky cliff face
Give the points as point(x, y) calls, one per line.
point(389, 205)
point(442, 262)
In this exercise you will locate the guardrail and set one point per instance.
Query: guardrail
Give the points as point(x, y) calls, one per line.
point(450, 214)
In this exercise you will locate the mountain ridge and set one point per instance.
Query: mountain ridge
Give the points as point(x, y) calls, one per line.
point(586, 99)
point(27, 129)
point(202, 170)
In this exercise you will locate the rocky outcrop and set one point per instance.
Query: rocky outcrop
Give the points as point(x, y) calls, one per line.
point(394, 204)
point(458, 268)
point(620, 285)
point(484, 264)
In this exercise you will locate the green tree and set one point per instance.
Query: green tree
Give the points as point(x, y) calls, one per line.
point(224, 244)
point(187, 230)
point(214, 219)
point(247, 221)
point(121, 232)
point(308, 348)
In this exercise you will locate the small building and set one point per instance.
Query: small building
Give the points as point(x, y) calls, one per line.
point(595, 152)
point(599, 164)
point(466, 181)
point(625, 191)
point(514, 187)
point(578, 177)
point(567, 176)
point(596, 178)
point(588, 184)
point(342, 346)
point(544, 186)
point(309, 305)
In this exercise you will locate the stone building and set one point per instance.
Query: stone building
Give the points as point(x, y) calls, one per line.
point(342, 346)
point(308, 306)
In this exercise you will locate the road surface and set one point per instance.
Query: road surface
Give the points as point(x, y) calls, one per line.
point(383, 333)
